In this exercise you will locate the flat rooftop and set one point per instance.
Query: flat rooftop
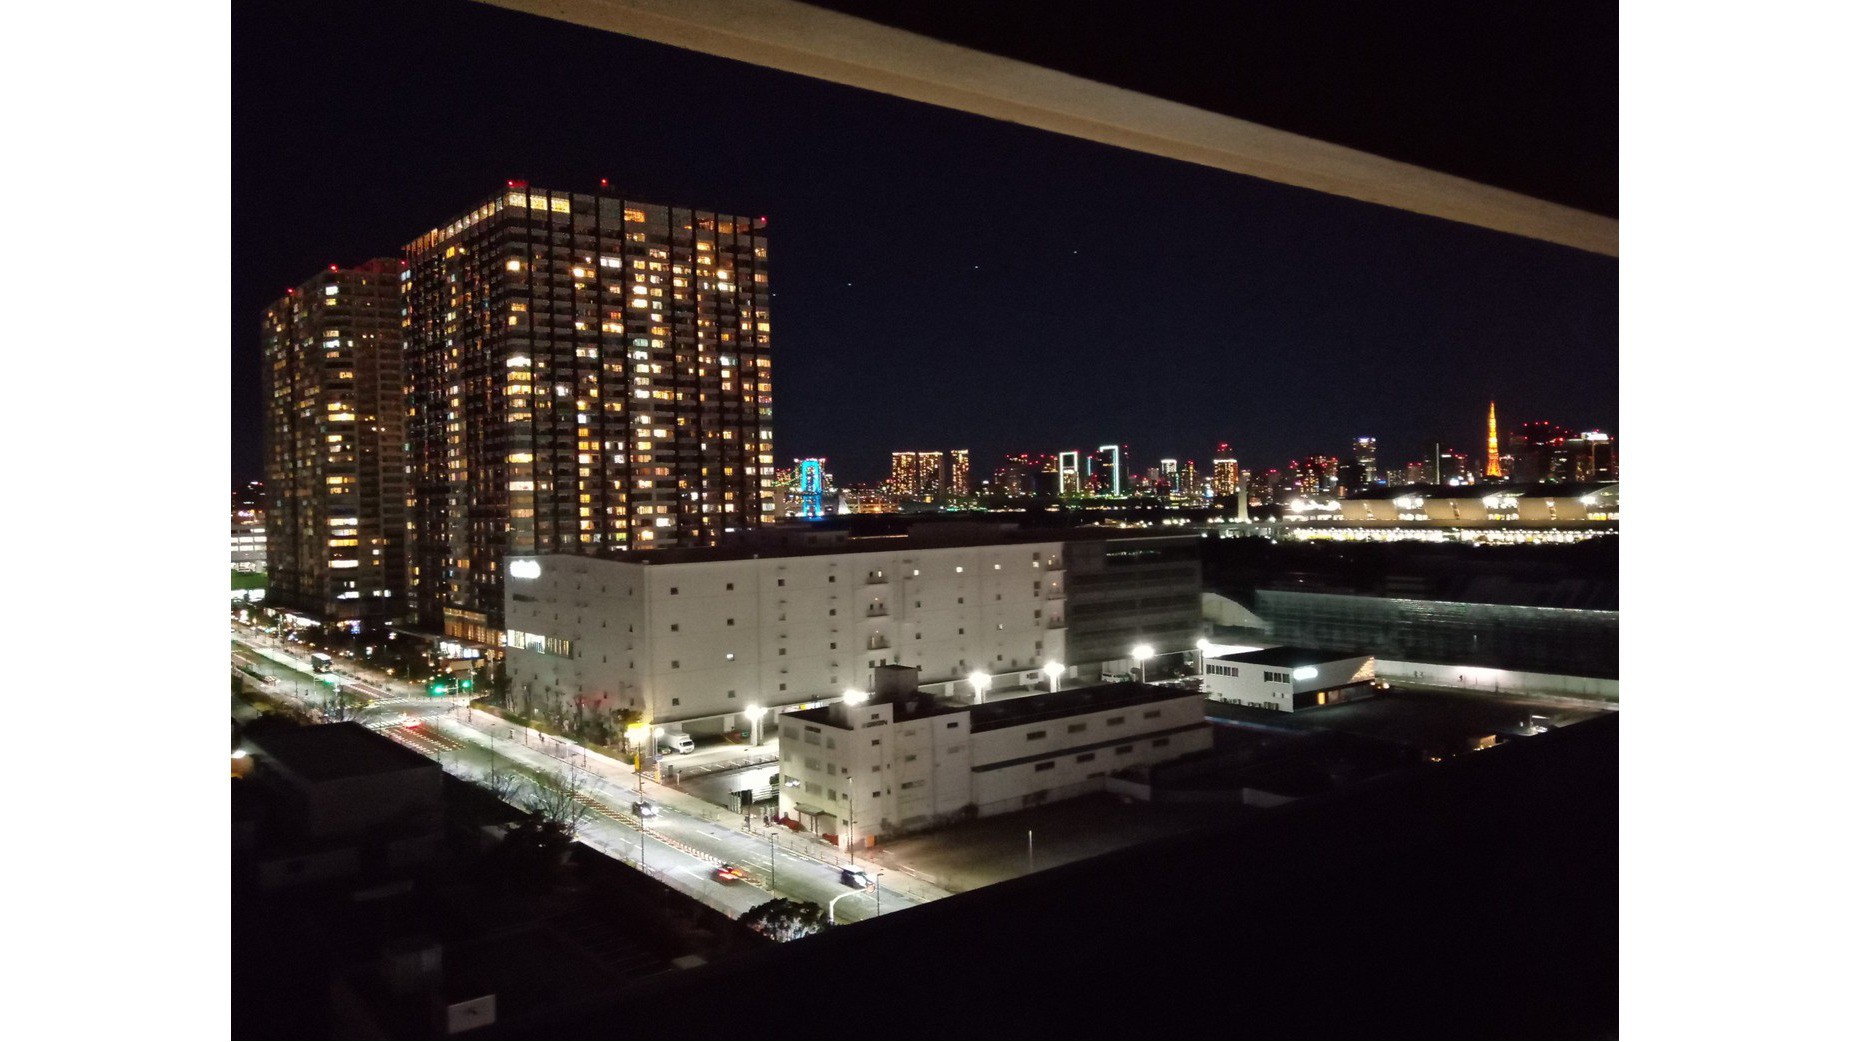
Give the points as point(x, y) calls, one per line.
point(1053, 705)
point(940, 536)
point(1010, 712)
point(329, 752)
point(1289, 657)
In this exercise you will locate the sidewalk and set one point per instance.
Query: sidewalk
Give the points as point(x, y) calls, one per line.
point(621, 777)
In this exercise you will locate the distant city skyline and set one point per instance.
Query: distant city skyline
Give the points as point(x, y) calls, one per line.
point(936, 286)
point(1383, 460)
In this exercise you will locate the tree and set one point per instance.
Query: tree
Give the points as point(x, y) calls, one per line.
point(502, 783)
point(783, 919)
point(559, 798)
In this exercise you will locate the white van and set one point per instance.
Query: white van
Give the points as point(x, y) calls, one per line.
point(675, 742)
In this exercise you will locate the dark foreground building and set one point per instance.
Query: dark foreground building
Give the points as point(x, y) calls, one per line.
point(1477, 899)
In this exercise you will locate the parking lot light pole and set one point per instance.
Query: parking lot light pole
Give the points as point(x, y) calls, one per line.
point(1141, 653)
point(755, 713)
point(1053, 669)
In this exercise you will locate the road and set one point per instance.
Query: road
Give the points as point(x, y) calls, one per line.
point(681, 845)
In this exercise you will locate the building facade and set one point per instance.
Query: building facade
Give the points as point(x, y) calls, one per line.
point(334, 432)
point(695, 637)
point(901, 761)
point(587, 374)
point(1288, 679)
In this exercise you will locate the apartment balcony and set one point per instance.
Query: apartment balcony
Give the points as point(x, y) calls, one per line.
point(877, 611)
point(875, 579)
point(878, 643)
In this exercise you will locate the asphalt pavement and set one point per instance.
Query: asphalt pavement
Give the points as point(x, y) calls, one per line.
point(682, 844)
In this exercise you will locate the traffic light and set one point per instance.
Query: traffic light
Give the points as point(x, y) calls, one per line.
point(438, 689)
point(469, 683)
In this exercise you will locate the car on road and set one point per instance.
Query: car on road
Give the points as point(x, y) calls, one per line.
point(643, 809)
point(856, 878)
point(728, 873)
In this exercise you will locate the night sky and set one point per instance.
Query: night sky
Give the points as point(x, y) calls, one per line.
point(941, 280)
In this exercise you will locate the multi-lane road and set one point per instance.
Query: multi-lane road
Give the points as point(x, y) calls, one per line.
point(682, 844)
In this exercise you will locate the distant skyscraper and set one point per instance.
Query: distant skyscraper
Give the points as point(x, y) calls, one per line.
point(1593, 456)
point(1070, 472)
point(334, 433)
point(1109, 470)
point(1535, 449)
point(1494, 467)
point(587, 374)
point(903, 478)
point(1224, 480)
point(958, 480)
point(1362, 450)
point(1187, 480)
point(931, 474)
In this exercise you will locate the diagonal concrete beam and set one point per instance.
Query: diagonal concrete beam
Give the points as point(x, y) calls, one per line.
point(795, 37)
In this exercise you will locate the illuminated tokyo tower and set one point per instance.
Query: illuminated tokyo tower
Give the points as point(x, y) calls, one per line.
point(1493, 468)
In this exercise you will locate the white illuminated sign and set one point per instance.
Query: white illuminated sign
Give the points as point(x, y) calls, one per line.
point(524, 569)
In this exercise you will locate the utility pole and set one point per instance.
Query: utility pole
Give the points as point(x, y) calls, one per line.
point(1031, 850)
point(774, 861)
point(851, 821)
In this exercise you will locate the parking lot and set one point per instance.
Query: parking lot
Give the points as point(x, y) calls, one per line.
point(977, 853)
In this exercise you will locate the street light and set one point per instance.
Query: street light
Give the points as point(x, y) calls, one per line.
point(851, 820)
point(1140, 653)
point(755, 713)
point(1201, 656)
point(853, 697)
point(979, 683)
point(1053, 671)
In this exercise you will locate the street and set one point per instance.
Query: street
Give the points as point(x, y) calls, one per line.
point(681, 845)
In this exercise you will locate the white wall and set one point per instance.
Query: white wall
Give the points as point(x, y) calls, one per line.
point(1064, 762)
point(1251, 688)
point(655, 638)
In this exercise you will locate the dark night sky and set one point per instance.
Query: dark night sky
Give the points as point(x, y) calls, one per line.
point(941, 280)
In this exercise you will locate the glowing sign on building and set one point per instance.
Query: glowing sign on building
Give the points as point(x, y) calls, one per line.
point(810, 488)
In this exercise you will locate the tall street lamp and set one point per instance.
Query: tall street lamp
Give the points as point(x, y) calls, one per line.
point(755, 713)
point(851, 820)
point(1053, 671)
point(853, 697)
point(1201, 656)
point(979, 683)
point(1140, 654)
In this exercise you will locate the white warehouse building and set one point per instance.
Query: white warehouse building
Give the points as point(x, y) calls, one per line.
point(903, 760)
point(693, 637)
point(1289, 679)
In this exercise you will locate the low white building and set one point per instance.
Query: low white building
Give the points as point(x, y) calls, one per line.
point(695, 637)
point(1288, 679)
point(903, 760)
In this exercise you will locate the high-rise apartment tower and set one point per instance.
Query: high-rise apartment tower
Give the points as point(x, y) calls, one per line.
point(586, 374)
point(334, 434)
